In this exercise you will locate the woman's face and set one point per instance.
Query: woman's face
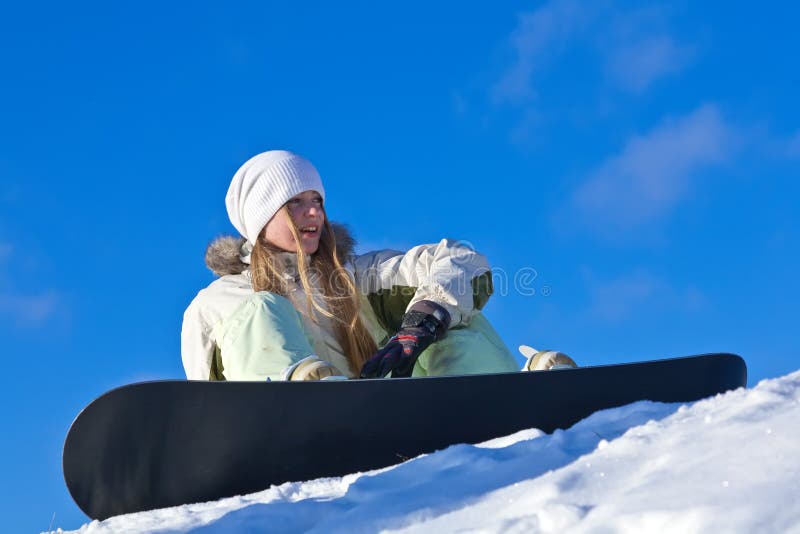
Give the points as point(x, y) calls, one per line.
point(308, 216)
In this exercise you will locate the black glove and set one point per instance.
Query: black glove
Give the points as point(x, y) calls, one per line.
point(424, 323)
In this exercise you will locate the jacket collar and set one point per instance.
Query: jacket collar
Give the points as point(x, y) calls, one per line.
point(231, 255)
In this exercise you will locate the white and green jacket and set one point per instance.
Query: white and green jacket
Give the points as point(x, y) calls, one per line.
point(231, 332)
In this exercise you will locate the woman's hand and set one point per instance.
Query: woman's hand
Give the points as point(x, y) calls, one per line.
point(312, 368)
point(424, 323)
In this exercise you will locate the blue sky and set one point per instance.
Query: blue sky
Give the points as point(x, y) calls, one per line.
point(633, 166)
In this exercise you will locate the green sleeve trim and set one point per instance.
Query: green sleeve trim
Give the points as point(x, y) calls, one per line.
point(216, 366)
point(482, 289)
point(389, 305)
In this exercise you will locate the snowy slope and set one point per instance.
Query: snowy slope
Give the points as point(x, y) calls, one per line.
point(728, 464)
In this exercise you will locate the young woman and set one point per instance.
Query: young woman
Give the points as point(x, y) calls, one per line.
point(292, 301)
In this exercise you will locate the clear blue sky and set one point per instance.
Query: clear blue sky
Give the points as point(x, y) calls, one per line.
point(640, 158)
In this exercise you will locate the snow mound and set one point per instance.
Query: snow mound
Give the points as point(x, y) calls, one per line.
point(727, 463)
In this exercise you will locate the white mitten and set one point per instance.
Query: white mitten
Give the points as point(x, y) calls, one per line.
point(312, 368)
point(545, 360)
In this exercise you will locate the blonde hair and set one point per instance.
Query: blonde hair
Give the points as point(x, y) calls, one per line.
point(341, 302)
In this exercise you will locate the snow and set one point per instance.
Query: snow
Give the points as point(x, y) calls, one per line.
point(729, 463)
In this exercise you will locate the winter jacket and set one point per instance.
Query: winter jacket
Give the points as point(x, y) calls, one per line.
point(231, 332)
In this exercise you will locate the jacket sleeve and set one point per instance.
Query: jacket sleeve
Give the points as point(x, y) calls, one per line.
point(197, 347)
point(261, 339)
point(449, 273)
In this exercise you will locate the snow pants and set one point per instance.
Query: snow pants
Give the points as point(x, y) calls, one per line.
point(266, 335)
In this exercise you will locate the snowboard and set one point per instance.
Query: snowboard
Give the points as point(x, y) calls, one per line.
point(165, 443)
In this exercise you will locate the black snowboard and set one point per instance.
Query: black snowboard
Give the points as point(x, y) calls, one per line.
point(158, 444)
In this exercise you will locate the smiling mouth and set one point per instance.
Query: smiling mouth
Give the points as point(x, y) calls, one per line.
point(309, 231)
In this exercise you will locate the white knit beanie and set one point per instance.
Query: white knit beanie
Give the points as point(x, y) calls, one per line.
point(265, 183)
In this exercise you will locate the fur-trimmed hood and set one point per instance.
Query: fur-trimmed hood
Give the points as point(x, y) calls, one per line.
point(224, 254)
